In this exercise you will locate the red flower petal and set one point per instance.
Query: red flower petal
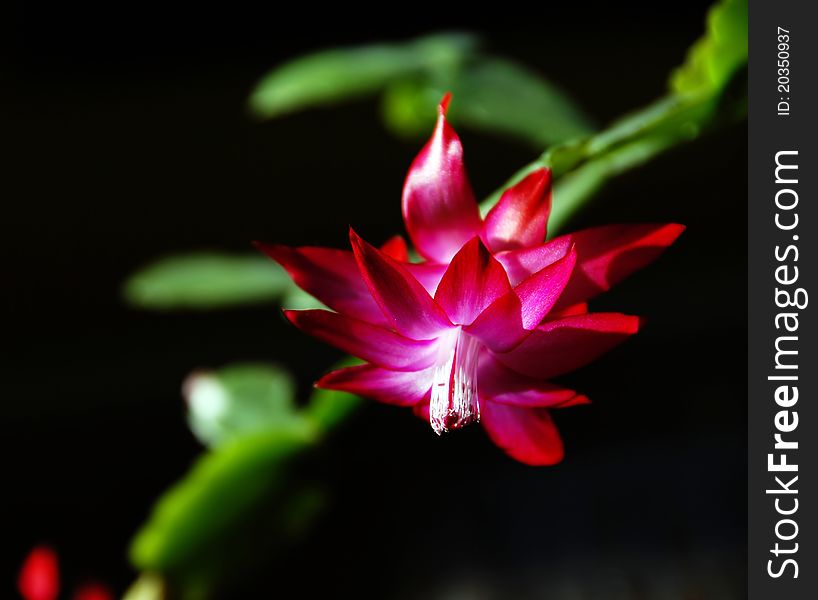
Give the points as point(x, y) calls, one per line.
point(396, 248)
point(605, 256)
point(407, 305)
point(400, 388)
point(526, 434)
point(438, 203)
point(39, 577)
point(421, 410)
point(569, 311)
point(558, 347)
point(519, 218)
point(428, 274)
point(522, 264)
point(366, 341)
point(511, 317)
point(330, 275)
point(472, 282)
point(497, 383)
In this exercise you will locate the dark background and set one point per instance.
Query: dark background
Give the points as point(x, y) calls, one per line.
point(128, 139)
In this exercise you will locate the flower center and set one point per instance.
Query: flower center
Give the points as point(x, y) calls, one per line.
point(454, 391)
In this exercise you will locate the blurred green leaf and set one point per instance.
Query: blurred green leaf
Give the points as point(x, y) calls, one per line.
point(225, 487)
point(489, 94)
point(581, 167)
point(146, 587)
point(298, 299)
point(339, 74)
point(206, 281)
point(707, 91)
point(328, 408)
point(244, 494)
point(502, 96)
point(238, 400)
point(715, 57)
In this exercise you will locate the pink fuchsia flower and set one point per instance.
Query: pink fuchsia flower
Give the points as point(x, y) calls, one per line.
point(477, 330)
point(39, 579)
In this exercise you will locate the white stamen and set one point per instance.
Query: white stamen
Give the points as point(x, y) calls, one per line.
point(454, 400)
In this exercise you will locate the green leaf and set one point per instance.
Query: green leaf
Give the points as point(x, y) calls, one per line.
point(329, 408)
point(339, 74)
point(206, 281)
point(224, 493)
point(147, 587)
point(701, 98)
point(244, 494)
point(238, 400)
point(298, 299)
point(581, 168)
point(715, 57)
point(489, 94)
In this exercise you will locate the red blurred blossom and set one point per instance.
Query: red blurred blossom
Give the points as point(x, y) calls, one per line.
point(477, 330)
point(39, 579)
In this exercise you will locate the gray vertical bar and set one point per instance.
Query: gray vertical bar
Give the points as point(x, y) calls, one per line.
point(770, 133)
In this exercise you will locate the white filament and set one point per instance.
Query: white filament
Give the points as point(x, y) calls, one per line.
point(454, 400)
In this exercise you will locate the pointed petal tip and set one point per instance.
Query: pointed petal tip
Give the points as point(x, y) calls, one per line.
point(269, 249)
point(281, 253)
point(323, 382)
point(540, 174)
point(405, 303)
point(382, 385)
point(438, 204)
point(354, 238)
point(291, 315)
point(330, 381)
point(675, 230)
point(443, 107)
point(520, 217)
point(667, 233)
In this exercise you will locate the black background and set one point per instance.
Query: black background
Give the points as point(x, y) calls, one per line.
point(128, 139)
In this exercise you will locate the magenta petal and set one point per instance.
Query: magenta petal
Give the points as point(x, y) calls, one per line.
point(605, 256)
point(428, 274)
point(580, 308)
point(498, 383)
point(396, 248)
point(407, 305)
point(364, 340)
point(560, 346)
point(438, 203)
point(519, 218)
point(473, 280)
point(401, 388)
point(330, 275)
point(577, 400)
point(526, 434)
point(510, 318)
point(522, 264)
